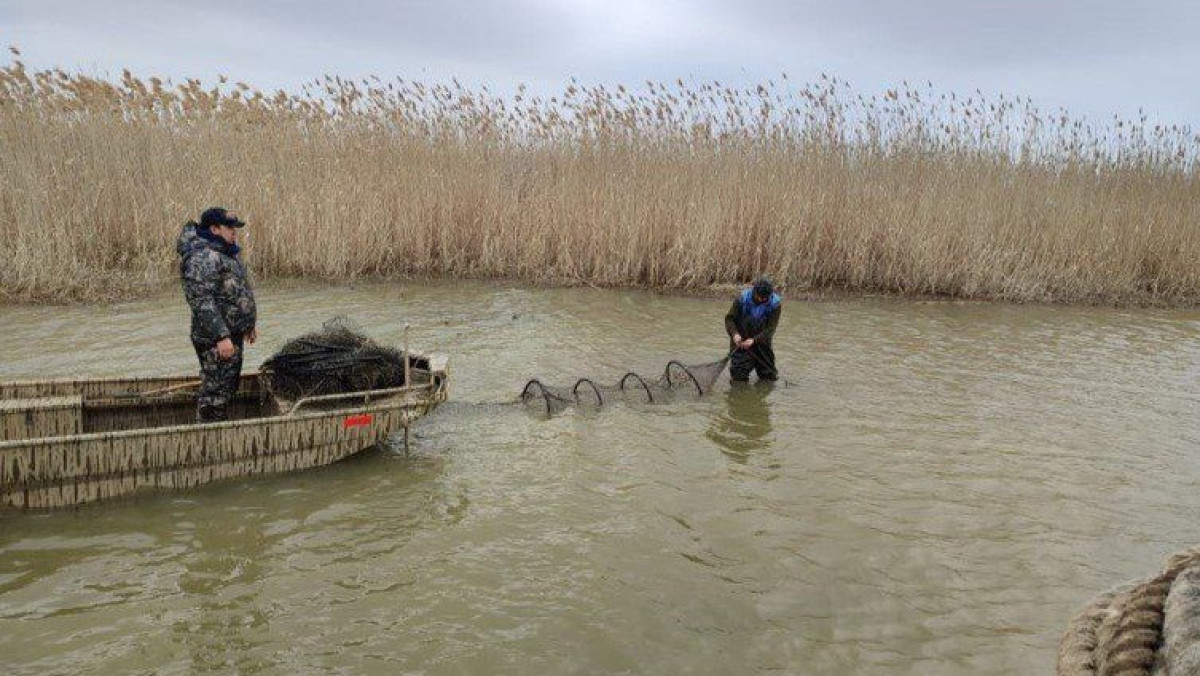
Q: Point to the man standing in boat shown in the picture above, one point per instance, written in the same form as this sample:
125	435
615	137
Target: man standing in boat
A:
216	285
751	323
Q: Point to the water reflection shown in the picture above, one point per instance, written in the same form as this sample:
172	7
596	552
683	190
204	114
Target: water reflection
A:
745	424
222	576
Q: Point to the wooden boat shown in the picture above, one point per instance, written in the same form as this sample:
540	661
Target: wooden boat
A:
67	442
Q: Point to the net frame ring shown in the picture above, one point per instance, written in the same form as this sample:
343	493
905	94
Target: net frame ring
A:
526	394
685	369
641	381
575	391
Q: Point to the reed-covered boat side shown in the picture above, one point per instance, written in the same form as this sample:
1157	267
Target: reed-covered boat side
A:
69	442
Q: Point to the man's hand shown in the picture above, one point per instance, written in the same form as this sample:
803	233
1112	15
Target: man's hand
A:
252	335
225	349
747	343
737	340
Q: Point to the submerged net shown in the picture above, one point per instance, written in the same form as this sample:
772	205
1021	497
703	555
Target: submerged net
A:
337	358
677	380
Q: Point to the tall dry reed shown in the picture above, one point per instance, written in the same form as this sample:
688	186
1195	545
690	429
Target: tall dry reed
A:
664	185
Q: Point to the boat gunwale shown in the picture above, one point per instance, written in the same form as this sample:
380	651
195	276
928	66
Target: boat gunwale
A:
112	379
430	359
433	389
246	375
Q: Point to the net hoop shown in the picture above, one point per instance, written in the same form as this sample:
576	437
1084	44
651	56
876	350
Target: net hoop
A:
589	383
527	394
641	381
670	383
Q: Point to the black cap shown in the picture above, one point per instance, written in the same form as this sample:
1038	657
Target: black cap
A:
763	287
219	216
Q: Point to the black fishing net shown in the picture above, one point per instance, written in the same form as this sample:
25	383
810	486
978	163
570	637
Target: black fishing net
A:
340	358
337	358
677	380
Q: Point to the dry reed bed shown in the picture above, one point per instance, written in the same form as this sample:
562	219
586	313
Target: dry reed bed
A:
666	186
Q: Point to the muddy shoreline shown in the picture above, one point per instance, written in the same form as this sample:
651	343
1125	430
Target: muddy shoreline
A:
805	294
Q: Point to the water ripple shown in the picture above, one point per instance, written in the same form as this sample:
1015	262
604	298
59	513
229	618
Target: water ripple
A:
945	486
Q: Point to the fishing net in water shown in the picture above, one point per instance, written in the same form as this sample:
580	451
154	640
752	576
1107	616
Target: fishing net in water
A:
677	380
337	358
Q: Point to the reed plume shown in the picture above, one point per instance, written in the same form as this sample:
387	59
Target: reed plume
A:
668	185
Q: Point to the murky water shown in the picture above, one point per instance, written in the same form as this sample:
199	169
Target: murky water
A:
944	487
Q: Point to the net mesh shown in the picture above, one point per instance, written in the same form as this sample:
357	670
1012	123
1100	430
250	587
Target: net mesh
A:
677	380
340	358
335	359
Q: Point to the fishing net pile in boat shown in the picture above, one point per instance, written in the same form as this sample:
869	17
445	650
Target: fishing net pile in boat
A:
336	358
677	380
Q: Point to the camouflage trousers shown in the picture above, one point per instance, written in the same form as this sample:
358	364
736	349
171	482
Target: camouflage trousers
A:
219	379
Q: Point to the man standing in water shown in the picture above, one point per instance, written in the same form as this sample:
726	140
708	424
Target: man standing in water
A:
217	288
751	323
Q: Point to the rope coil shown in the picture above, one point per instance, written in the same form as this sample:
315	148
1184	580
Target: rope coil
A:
1151	626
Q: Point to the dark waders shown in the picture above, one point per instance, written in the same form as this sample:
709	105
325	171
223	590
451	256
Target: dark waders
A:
760	358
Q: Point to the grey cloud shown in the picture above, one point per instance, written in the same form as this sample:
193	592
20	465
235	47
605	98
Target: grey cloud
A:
973	32
1093	56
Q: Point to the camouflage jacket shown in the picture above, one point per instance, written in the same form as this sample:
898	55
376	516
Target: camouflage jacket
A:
217	287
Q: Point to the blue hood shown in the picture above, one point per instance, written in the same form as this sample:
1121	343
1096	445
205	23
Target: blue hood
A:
758	313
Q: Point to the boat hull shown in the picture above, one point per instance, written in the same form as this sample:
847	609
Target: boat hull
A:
70	469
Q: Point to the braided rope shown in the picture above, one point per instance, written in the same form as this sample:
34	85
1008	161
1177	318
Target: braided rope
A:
1151	626
1181	633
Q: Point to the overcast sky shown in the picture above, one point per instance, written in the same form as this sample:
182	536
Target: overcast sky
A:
1094	57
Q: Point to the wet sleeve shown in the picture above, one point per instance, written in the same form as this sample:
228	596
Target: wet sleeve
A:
768	331
201	282
731	318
